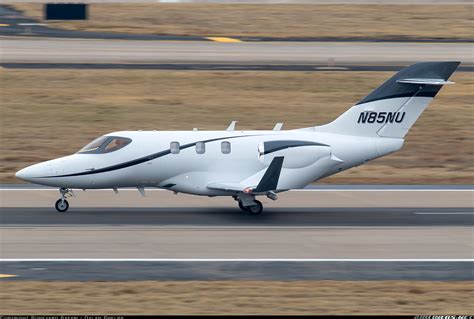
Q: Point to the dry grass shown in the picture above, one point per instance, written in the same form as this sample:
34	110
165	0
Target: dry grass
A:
281	20
238	297
51	113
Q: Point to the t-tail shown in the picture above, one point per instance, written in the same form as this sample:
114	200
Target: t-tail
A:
392	109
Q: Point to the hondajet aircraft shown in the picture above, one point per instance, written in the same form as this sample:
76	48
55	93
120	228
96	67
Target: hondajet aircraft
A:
247	164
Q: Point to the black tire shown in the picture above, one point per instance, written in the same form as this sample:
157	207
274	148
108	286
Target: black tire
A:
61	206
242	207
255	209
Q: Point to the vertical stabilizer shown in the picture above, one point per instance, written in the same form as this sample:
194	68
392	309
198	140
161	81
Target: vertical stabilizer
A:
392	108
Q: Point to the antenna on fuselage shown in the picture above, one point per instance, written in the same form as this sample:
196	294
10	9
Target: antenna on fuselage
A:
231	126
278	126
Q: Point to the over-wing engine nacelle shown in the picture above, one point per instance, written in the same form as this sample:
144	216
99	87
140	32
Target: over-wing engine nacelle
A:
297	153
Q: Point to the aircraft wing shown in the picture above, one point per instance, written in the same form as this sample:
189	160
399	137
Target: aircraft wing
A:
268	182
223	186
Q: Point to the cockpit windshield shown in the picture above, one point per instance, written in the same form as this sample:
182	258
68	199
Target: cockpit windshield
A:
105	144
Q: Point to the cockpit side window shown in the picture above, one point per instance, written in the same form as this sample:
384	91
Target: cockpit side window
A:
115	144
94	145
105	144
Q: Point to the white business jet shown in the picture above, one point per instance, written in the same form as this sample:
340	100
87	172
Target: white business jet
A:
247	164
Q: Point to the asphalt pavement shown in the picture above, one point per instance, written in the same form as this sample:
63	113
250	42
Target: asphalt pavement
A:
236	270
232	217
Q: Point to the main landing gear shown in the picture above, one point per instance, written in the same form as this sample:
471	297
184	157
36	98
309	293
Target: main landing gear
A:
249	204
62	204
254	209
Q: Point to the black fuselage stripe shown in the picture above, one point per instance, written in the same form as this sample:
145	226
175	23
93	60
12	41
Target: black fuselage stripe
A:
141	159
282	147
394	96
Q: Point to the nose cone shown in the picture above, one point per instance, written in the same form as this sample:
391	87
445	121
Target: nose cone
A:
24	174
20	174
30	173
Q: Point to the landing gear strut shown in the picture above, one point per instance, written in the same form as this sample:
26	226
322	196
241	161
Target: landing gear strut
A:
62	204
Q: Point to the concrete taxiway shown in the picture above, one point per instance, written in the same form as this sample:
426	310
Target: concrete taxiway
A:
391	2
44	50
211	67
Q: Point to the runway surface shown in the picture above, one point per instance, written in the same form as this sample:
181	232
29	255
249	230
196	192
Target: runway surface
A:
231	217
48	50
229	233
320	197
211	67
194	238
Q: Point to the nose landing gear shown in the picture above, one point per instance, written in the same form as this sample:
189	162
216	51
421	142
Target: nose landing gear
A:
62	204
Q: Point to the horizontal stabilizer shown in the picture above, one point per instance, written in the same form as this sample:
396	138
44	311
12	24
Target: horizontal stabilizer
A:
425	81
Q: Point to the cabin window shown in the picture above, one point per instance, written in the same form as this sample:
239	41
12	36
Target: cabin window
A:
200	147
174	147
225	147
105	144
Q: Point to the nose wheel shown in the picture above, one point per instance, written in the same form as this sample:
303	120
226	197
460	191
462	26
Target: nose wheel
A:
62	204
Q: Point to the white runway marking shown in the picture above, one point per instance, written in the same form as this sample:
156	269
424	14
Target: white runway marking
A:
235	260
443	213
